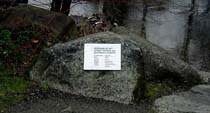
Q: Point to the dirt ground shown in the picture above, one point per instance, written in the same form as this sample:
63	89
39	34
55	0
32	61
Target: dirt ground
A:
52	101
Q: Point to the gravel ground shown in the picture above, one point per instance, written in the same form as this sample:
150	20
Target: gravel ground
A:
52	101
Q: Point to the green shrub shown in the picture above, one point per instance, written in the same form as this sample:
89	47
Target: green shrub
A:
6	45
5	35
19	49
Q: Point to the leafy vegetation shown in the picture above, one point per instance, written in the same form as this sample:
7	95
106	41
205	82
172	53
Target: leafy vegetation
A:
19	49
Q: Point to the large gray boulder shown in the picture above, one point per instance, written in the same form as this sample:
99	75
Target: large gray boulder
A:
196	100
61	67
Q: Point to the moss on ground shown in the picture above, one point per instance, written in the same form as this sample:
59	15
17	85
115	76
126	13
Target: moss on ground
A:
148	91
151	110
12	89
156	90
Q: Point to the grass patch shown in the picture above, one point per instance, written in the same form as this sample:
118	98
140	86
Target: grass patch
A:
20	46
12	89
19	50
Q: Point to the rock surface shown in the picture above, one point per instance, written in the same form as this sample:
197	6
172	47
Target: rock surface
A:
160	18
61	67
199	45
24	16
158	63
196	100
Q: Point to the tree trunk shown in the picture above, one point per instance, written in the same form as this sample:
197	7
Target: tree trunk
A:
56	5
115	11
101	7
145	11
185	48
65	9
22	1
62	6
208	7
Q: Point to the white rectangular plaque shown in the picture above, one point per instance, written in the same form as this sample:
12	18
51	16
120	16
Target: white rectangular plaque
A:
102	57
